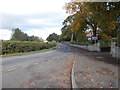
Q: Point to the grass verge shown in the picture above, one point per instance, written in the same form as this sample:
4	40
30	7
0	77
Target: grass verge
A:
26	53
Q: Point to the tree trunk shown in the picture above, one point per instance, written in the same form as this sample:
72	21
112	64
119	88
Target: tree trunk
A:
94	32
95	29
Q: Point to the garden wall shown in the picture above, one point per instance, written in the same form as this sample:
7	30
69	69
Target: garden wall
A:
94	47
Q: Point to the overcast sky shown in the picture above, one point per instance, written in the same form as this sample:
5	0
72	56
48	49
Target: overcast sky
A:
34	17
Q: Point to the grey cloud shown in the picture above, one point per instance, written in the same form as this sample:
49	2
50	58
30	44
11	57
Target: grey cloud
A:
50	19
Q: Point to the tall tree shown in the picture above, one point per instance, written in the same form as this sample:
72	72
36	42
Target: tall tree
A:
94	15
67	32
52	37
35	38
19	35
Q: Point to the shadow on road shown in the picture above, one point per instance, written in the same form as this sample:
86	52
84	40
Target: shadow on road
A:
98	56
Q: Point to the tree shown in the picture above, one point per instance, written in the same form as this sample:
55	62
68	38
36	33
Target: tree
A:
35	38
97	16
19	35
52	37
67	32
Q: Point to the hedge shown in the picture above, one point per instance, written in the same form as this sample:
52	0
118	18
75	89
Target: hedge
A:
9	47
105	43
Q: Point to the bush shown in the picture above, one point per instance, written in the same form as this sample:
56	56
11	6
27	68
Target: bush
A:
82	43
105	43
24	46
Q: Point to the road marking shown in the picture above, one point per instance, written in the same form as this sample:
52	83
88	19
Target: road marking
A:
26	66
11	69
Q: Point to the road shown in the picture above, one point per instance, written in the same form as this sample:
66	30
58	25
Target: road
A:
52	69
49	69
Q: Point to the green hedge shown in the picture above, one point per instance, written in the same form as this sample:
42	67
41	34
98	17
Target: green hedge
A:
24	46
105	43
82	43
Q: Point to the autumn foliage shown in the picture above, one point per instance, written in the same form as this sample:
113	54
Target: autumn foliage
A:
93	16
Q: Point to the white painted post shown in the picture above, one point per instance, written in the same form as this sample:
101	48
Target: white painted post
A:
72	37
99	49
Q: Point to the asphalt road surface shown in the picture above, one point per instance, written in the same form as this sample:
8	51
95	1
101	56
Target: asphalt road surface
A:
52	69
49	69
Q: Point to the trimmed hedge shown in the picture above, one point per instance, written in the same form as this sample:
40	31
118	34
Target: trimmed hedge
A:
9	47
82	43
105	43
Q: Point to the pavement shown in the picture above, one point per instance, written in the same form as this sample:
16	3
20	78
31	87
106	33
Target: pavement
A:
57	68
95	69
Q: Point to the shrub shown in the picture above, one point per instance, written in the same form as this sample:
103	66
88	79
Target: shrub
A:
105	43
24	46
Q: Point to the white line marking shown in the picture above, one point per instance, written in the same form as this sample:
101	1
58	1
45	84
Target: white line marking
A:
26	66
11	69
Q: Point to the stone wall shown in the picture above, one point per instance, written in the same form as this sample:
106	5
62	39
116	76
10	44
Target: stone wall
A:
115	50
94	47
